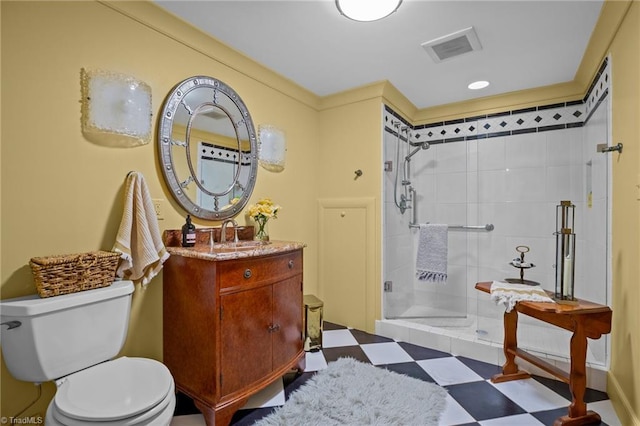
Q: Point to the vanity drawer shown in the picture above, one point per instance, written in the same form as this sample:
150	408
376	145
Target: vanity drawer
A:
250	272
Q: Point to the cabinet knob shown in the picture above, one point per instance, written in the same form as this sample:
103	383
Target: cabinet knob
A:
247	273
273	328
291	264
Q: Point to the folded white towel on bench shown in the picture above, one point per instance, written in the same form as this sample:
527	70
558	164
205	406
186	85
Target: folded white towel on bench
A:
510	294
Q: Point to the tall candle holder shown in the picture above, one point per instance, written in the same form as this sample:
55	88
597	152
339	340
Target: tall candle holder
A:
565	253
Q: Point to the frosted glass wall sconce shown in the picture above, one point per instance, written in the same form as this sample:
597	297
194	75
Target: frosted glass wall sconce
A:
272	147
116	109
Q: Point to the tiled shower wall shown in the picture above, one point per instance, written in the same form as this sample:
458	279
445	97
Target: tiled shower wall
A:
510	170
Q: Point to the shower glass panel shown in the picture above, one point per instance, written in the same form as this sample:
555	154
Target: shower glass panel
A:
521	180
444	177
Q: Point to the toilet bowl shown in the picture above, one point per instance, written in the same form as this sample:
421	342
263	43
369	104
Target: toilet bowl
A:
73	340
124	392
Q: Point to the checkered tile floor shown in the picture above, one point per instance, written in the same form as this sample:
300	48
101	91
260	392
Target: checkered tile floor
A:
472	400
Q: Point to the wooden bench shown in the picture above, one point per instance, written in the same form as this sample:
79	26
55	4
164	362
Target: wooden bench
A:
584	319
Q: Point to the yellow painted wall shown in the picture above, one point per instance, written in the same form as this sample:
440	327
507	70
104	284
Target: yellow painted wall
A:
624	376
351	138
63	194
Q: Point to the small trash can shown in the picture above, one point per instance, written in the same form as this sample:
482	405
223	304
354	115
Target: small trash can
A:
312	323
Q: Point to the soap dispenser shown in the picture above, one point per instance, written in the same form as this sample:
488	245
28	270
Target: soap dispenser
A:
188	233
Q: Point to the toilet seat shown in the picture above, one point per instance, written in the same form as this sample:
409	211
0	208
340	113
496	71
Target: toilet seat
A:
125	391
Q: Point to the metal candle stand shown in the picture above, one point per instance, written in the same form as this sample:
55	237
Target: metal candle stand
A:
522	265
565	253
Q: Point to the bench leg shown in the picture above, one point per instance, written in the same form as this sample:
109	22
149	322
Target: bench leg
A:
510	370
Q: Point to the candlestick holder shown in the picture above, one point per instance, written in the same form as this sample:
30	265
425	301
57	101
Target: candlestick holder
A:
565	253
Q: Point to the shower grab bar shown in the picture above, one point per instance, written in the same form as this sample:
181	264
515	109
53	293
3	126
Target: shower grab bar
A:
488	227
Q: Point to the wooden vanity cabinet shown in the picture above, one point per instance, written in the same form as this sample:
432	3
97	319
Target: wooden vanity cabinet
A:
231	327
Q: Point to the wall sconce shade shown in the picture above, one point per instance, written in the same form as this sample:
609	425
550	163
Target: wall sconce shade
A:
367	10
116	109
272	147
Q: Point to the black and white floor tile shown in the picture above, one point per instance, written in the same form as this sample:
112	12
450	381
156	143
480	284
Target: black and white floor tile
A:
472	399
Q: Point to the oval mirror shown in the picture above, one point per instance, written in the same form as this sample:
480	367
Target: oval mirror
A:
208	148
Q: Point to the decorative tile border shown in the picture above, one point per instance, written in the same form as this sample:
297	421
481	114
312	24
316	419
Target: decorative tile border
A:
223	154
542	118
599	89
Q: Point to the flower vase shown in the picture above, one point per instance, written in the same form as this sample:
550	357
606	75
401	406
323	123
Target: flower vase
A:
262	230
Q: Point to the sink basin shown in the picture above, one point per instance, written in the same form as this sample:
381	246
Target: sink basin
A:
239	246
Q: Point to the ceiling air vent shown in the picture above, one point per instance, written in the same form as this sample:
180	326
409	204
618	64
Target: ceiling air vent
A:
452	45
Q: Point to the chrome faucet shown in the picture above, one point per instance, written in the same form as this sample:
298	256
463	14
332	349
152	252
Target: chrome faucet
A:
223	230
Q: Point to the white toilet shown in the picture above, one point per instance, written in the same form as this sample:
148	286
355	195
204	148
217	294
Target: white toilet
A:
72	339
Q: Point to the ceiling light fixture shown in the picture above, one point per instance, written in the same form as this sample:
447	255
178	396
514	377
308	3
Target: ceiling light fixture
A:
477	85
367	10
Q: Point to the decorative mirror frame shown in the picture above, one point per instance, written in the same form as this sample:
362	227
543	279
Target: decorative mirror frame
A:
165	143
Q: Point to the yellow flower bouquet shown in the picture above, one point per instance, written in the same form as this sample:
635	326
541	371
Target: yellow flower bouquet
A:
261	212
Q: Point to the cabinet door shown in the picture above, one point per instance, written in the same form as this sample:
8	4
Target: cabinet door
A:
245	337
346	278
287	314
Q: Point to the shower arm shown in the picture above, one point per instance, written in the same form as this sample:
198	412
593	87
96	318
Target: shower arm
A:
420	146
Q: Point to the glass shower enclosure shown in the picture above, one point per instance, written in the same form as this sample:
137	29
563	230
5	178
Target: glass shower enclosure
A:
427	183
496	192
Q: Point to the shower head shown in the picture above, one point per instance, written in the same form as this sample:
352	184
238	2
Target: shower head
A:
423	145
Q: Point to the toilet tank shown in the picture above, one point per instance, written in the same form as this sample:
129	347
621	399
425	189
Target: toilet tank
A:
60	335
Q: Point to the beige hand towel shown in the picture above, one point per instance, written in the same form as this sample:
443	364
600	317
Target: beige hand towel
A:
139	239
510	294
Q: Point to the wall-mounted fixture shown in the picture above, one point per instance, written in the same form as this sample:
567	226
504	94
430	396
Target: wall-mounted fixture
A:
272	147
602	147
116	109
367	10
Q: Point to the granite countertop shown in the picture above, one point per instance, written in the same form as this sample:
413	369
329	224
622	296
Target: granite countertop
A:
227	251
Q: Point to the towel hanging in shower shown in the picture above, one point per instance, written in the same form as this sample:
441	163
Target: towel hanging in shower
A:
431	262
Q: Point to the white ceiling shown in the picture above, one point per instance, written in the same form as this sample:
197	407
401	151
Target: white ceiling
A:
525	44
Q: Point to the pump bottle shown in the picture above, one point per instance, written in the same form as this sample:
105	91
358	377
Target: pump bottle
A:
188	233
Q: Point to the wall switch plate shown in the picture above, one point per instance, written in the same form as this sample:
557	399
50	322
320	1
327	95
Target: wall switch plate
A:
158	206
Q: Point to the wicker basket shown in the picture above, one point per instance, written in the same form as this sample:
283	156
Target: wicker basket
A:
57	275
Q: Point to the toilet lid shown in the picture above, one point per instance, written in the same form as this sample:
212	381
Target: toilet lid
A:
114	390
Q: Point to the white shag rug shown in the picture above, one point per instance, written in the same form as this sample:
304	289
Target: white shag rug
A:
349	392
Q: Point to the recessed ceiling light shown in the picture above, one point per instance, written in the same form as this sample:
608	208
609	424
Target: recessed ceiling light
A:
476	85
367	10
